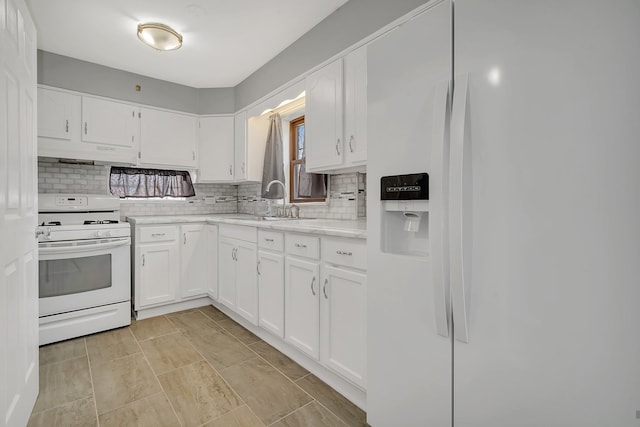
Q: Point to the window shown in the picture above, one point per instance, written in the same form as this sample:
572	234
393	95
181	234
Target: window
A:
303	187
150	183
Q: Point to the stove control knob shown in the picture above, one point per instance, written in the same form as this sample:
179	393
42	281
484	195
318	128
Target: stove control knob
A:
98	233
108	234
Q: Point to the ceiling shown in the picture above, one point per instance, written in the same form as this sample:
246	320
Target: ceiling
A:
225	41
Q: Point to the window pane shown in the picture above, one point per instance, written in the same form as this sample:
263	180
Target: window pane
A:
300	140
308	186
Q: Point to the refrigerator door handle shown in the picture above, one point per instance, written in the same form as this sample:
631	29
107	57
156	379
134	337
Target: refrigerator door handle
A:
460	208
438	216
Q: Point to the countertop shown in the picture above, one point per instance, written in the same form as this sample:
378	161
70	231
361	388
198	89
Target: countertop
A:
324	227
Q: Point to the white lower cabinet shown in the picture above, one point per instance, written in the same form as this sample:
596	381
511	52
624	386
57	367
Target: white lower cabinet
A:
194	258
343	322
271	292
211	232
238	278
157	266
302	305
173	263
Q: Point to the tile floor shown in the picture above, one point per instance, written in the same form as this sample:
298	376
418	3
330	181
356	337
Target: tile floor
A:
192	368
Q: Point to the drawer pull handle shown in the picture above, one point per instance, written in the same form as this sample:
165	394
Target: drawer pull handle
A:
300	245
268	240
348	253
324	288
143	260
312	283
258	268
157	234
66	126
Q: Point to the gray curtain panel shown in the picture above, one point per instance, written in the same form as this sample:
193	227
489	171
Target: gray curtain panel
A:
273	160
134	182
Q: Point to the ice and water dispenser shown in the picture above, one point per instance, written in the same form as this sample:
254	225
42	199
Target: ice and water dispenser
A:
405	214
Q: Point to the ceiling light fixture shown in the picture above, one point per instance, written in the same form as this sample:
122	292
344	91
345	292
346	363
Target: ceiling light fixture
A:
159	36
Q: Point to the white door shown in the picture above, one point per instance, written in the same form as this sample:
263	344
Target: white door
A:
168	138
18	215
109	122
302	305
247	281
240	145
355	107
212	260
343	301
159	274
323	117
215	142
552	126
227	272
58	114
271	292
406	67
194	257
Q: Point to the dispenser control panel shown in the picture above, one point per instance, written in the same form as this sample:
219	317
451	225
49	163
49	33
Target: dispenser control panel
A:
413	186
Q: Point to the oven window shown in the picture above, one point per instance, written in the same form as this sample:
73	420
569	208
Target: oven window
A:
74	275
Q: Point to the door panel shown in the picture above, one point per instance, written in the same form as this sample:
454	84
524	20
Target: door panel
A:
247	281
553	126
302	305
18	266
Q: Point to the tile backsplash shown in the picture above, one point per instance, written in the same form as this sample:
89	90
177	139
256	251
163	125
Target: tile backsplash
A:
347	193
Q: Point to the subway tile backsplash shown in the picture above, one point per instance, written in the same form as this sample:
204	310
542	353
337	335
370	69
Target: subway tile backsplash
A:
347	194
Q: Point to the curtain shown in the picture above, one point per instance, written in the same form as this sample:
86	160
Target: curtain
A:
273	160
134	182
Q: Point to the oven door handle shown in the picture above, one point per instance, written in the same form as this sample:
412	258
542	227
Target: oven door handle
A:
74	247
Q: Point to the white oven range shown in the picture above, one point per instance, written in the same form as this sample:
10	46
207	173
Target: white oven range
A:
84	265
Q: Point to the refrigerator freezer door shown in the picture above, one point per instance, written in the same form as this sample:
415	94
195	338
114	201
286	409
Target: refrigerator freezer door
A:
553	108
408	362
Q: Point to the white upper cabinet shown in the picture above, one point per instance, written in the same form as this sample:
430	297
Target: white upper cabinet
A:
215	143
323	118
110	123
58	115
336	115
355	107
168	138
240	146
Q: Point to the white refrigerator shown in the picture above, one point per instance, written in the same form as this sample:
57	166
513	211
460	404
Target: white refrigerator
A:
514	300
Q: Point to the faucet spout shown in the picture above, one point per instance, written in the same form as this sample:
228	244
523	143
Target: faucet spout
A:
284	190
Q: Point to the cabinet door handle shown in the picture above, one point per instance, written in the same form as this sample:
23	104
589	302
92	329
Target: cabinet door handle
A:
230	170
184	236
194	155
233	252
143	260
324	288
85	128
313	281
348	253
242	167
338	146
66	126
301	245
258	267
351	144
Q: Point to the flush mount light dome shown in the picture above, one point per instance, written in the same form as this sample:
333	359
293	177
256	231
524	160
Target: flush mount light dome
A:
159	36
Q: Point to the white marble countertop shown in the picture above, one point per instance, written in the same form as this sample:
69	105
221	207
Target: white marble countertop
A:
325	227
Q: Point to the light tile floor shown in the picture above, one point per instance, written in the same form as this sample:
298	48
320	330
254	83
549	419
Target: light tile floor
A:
192	368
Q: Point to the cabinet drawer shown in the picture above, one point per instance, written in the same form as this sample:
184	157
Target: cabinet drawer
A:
158	234
248	234
303	245
271	240
347	252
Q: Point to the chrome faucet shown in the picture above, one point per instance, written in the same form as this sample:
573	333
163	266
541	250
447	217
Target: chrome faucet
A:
284	191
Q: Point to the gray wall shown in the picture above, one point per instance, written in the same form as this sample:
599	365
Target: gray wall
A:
73	74
352	22
349	24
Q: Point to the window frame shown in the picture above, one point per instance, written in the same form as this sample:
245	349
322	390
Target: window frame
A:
293	161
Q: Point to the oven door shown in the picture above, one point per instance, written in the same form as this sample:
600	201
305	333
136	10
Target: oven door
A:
81	274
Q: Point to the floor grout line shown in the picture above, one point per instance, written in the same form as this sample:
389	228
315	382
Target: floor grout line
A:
93	388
